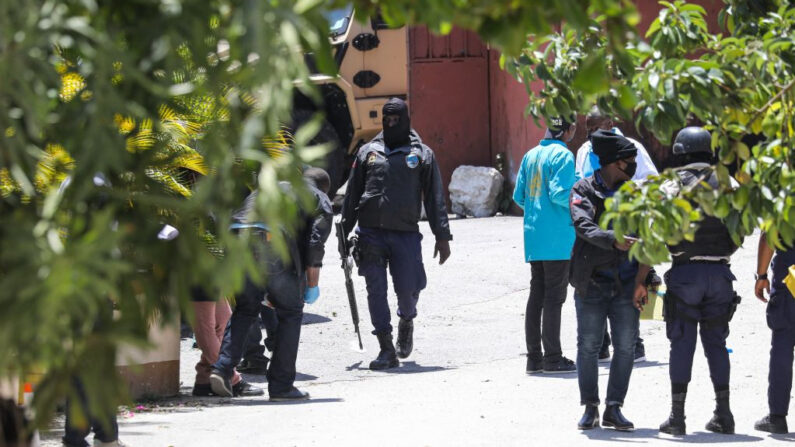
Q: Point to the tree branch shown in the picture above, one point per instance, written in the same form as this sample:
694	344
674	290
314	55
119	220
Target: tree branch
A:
778	96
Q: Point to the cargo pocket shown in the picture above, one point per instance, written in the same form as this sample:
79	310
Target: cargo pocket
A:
777	317
674	329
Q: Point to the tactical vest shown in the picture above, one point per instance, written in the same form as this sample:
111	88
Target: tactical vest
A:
712	238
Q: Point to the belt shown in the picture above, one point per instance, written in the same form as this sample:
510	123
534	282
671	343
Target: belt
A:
678	262
257	229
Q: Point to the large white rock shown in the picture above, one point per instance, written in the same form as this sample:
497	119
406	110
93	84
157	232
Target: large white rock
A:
475	190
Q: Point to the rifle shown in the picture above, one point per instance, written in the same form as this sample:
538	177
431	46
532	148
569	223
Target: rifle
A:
347	267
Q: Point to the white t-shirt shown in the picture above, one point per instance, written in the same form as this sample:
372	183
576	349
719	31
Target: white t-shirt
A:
587	162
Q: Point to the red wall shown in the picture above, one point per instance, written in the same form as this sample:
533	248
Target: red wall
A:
448	88
511	132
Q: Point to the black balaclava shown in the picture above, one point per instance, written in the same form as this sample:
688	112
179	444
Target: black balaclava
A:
397	135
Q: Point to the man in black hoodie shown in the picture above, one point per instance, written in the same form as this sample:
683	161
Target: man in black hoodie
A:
391	178
607	284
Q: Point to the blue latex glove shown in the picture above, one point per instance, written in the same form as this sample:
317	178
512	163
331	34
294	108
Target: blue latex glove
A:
311	295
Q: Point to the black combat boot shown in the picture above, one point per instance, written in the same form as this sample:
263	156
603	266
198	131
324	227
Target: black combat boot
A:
405	338
675	425
387	358
723	420
773	423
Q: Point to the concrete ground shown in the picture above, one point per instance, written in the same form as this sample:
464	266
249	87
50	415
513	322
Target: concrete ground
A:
465	383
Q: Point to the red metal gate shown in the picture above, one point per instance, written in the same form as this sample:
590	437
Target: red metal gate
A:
449	97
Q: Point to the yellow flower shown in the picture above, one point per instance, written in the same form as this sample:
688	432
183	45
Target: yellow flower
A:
71	85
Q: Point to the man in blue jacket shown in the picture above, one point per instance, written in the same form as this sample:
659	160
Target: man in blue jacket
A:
542	191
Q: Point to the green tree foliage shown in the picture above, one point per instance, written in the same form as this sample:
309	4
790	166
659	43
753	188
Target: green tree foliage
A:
128	99
738	83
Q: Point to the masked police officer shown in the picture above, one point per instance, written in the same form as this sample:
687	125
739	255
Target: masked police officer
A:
700	296
392	176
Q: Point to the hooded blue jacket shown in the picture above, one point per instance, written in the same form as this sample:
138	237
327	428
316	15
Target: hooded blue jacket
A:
542	191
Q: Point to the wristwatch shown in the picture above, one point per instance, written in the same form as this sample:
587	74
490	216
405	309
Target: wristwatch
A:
758	277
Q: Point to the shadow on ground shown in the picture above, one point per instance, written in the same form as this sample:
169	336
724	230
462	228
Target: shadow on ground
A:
258	379
314	319
641	435
643	364
404	368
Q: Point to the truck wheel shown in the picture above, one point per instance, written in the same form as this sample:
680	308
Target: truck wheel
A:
335	159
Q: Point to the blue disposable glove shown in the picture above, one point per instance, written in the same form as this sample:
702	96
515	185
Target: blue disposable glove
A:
311	295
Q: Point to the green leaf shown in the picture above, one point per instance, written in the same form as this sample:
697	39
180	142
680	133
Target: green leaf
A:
592	76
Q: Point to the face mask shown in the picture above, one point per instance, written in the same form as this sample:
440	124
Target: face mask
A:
397	135
630	169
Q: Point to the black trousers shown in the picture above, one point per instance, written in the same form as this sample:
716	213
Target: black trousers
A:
254	351
285	290
548	285
105	430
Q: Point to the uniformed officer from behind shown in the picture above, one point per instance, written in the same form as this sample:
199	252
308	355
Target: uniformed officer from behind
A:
781	321
699	296
392	176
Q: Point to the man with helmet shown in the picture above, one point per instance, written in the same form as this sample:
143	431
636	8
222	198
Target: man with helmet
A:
392	177
699	296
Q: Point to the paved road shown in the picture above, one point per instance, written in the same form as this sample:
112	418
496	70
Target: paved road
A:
465	382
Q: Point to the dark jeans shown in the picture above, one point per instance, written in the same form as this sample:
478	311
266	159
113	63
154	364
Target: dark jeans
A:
606	341
548	284
707	291
254	351
285	290
401	251
605	299
104	430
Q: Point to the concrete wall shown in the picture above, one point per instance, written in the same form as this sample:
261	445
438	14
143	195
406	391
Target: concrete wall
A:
154	372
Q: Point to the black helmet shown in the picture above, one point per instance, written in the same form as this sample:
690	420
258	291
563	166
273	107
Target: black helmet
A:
691	140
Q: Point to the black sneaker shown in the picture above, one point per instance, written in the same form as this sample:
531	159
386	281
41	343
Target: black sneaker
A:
202	390
560	367
640	353
293	394
257	367
220	384
604	355
534	365
245	389
772	424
